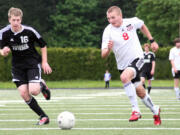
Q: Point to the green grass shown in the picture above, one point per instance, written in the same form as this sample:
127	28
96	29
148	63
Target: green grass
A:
88	84
97	112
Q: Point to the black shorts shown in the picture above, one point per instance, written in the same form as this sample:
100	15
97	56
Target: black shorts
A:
146	74
26	75
176	75
137	64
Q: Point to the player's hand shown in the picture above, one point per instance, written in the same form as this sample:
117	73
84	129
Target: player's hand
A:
46	68
5	51
110	44
154	46
152	72
175	70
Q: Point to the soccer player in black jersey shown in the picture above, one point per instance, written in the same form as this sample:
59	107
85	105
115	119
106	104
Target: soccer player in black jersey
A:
148	68
26	62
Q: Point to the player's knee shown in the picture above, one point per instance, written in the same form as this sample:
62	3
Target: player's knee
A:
34	91
25	95
124	78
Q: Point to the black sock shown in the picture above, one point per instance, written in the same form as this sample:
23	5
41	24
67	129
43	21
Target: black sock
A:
144	86
35	107
149	89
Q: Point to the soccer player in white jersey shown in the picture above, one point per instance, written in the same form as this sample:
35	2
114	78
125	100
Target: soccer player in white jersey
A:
26	62
120	36
174	57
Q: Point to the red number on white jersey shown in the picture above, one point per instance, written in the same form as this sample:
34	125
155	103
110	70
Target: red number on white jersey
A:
125	36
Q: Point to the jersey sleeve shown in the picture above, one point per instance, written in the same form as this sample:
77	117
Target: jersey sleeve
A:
153	58
1	35
105	38
171	55
38	38
138	23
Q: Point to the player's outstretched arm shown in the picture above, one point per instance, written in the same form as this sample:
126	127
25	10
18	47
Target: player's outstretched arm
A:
45	66
146	32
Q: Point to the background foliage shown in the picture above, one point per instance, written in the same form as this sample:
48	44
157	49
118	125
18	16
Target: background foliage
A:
86	63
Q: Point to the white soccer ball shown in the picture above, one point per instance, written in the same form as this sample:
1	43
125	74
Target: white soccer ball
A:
66	120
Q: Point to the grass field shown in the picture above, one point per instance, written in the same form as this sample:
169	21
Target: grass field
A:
97	112
88	84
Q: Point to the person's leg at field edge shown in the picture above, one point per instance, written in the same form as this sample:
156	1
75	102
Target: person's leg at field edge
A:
126	77
26	91
146	99
176	88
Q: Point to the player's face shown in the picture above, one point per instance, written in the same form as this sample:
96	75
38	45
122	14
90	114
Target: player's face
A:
15	22
178	44
114	18
146	48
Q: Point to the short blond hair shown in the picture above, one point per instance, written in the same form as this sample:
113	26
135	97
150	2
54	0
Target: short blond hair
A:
146	45
114	8
15	12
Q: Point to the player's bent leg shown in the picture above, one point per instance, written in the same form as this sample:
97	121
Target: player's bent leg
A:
34	88
24	92
126	78
148	102
45	90
32	103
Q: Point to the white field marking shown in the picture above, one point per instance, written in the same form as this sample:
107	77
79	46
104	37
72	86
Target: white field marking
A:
2	105
102	94
65	108
26	120
113	128
148	128
52	106
125	113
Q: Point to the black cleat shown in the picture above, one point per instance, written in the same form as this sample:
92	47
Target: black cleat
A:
45	90
43	121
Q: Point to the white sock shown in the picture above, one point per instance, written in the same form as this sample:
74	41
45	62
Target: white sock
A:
148	102
177	92
131	93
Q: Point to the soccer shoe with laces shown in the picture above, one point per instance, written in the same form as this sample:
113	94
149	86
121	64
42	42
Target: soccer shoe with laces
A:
135	116
45	90
43	121
157	118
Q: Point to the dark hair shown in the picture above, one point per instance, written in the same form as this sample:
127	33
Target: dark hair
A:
176	40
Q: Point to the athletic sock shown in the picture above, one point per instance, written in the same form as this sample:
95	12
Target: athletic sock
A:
177	92
32	103
149	89
131	93
148	102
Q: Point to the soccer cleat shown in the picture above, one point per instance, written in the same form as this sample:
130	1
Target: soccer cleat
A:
157	119
43	121
134	116
45	90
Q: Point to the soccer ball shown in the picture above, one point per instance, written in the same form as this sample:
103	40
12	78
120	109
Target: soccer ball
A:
66	120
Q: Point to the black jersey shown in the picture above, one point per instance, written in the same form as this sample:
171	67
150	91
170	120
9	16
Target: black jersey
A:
148	59
3	30
22	45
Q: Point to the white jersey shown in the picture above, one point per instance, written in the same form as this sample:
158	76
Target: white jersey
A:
107	76
126	42
175	56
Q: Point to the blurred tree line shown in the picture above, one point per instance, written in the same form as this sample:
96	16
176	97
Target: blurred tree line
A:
80	23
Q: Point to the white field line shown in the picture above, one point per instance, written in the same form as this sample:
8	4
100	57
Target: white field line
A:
110	113
148	128
52	106
25	120
64	108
